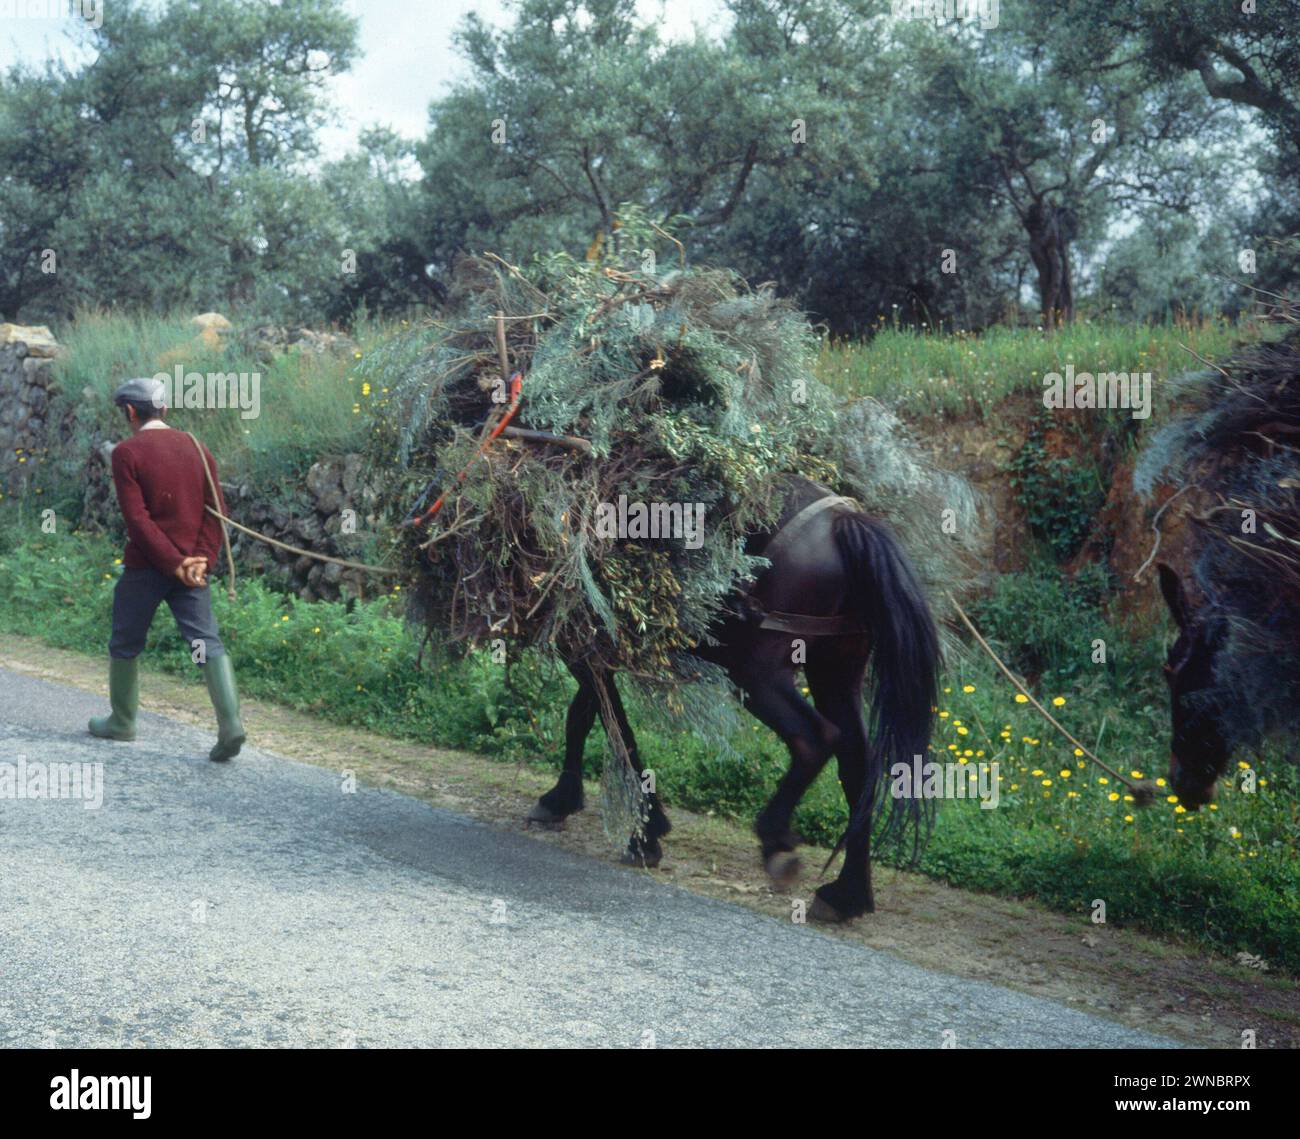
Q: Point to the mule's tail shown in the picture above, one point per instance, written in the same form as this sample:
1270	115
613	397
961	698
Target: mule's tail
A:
889	600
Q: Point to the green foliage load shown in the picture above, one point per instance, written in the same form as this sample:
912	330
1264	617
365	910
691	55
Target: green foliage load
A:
689	388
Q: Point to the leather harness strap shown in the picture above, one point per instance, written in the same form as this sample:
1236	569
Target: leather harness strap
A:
804	624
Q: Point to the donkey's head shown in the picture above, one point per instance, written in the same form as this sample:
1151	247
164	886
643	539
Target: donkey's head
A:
1199	751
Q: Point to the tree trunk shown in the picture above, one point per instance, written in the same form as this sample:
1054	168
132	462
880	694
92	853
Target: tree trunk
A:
1049	247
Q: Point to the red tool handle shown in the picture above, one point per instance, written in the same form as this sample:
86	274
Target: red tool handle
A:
516	393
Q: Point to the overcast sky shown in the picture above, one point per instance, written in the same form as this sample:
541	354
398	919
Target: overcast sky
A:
407	57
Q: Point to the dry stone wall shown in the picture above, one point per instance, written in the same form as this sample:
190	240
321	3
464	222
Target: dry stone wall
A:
27	355
330	513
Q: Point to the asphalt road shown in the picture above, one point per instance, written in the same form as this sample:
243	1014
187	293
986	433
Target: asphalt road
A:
260	904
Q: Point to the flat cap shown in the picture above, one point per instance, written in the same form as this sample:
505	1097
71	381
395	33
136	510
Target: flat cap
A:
145	389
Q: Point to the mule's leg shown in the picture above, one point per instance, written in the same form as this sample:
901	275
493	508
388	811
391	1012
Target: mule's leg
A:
771	695
836	671
566	796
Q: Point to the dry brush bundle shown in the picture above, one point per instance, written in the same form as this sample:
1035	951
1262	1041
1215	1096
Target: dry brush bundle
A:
685	389
1236	447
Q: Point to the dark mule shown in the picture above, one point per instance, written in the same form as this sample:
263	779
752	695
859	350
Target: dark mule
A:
1199	751
838	592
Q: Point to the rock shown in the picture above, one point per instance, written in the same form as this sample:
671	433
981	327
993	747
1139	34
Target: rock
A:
329	503
37	339
211	325
269	340
310	530
325	485
36	370
351	474
323	475
322	343
266	340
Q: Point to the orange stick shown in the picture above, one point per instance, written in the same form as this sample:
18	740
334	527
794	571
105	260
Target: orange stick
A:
516	393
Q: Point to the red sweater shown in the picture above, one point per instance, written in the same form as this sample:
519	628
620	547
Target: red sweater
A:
161	489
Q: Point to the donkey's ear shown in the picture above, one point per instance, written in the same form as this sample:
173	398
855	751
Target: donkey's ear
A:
1171	586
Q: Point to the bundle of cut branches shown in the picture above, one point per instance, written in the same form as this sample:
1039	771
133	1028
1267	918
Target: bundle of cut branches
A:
685	393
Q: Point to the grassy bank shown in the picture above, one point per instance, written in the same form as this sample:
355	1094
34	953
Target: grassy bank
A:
313	404
926	372
1061	832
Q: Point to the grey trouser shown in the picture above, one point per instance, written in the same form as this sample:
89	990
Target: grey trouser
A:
138	594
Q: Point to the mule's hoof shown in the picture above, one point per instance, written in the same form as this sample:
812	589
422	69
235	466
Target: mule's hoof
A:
825	912
641	861
543	816
782	868
643	855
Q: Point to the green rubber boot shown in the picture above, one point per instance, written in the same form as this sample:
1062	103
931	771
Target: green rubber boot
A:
220	676
123	698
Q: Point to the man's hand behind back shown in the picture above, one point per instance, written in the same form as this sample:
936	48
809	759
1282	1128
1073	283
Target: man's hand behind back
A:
193	572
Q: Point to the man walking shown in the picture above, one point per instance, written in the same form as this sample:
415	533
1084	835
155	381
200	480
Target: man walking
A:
171	541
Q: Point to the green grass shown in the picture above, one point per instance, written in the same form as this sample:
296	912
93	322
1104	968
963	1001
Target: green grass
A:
927	372
1227	877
